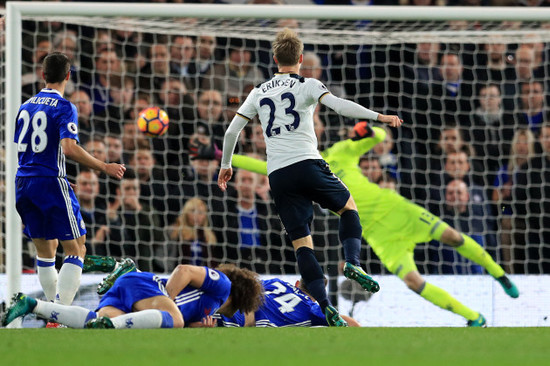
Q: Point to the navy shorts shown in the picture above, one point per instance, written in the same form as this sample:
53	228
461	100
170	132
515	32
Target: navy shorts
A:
48	208
131	288
296	186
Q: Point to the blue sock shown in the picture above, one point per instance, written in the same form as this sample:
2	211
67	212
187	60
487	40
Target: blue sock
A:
350	231
313	275
167	320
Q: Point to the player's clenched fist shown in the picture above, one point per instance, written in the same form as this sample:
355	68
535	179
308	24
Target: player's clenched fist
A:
224	177
393	121
115	170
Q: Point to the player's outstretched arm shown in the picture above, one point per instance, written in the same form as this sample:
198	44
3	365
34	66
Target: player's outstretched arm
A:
182	276
75	152
249	163
351	109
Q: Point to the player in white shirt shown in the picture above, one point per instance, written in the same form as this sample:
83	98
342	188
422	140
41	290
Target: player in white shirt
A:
297	173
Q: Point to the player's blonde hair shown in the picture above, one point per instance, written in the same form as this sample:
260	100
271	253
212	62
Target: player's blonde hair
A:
287	48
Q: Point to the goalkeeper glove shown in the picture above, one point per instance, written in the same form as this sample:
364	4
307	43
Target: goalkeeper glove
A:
362	130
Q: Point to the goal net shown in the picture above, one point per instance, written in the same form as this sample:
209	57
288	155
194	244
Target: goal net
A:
473	96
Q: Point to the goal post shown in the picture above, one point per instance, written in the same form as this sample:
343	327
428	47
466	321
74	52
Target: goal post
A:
104	13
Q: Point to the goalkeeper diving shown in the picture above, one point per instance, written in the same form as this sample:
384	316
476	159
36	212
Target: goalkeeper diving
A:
392	225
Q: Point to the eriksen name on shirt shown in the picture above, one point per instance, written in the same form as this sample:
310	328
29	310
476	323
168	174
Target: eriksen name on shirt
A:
275	83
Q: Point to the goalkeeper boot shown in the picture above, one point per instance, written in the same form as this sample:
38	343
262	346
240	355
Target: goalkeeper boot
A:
127	265
480	322
97	263
100	323
21	305
508	286
357	274
333	317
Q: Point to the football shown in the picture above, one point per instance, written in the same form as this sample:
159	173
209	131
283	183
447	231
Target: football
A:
153	121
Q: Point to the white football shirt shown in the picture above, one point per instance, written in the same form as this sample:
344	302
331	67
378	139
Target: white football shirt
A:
285	105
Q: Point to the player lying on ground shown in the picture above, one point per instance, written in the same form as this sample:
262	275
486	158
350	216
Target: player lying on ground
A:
393	226
285	306
144	300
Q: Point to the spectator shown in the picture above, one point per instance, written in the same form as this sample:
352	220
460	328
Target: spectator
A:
201	181
522	150
107	65
97	148
495	66
113	143
156	71
457	166
121	93
253	232
182	53
371	168
468	216
256	140
132	139
86	127
93	209
203	62
210	115
32	81
533	106
531	208
238	71
526	70
67	43
135	230
179	105
155	191
312	68
492	129
192	240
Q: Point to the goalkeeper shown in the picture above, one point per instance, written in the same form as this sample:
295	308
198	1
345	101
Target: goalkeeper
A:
393	226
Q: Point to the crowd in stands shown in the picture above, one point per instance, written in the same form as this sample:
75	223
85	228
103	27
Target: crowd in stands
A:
474	148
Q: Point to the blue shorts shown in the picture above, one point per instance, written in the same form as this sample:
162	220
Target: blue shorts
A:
131	288
48	208
296	186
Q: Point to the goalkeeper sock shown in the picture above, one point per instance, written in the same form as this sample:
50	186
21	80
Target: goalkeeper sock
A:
69	279
47	276
444	300
71	316
313	275
146	319
350	236
473	251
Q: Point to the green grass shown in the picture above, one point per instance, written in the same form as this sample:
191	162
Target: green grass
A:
282	346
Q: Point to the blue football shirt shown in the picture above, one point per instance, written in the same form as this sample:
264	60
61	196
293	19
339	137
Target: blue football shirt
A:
284	306
42	122
196	303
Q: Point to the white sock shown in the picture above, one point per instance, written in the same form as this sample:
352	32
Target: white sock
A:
47	275
68	280
146	319
71	316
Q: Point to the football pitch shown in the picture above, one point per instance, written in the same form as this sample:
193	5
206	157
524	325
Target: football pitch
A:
280	346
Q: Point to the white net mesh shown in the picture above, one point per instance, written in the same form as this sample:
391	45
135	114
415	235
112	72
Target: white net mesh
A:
430	73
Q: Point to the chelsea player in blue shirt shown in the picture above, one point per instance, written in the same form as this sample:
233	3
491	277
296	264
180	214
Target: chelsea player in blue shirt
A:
285	306
47	131
144	300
